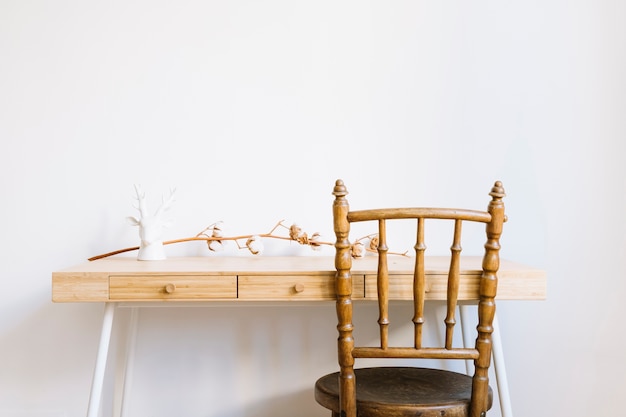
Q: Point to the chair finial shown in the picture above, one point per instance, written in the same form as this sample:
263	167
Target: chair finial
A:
497	191
340	189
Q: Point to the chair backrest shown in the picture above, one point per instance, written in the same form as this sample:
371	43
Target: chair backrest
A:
494	218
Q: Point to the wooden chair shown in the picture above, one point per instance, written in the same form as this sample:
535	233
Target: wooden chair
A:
412	391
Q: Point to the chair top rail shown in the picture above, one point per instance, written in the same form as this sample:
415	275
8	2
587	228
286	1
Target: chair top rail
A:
419	212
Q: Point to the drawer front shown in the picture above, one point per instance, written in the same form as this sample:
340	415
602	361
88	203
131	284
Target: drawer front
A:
172	287
294	287
401	287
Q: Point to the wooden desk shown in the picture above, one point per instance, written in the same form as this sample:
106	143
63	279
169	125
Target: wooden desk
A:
118	280
125	279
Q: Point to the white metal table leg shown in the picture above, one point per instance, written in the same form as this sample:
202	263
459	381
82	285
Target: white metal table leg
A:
498	358
129	361
466	330
498	364
101	361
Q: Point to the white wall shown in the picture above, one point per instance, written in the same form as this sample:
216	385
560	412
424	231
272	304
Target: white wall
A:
252	110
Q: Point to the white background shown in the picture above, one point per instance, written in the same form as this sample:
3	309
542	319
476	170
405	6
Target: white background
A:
252	109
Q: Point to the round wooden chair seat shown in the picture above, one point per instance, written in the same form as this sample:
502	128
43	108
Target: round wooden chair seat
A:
402	392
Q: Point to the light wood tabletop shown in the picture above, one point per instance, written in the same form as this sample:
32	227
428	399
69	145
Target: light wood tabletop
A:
304	278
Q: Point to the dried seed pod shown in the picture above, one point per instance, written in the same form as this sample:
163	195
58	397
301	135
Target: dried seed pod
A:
215	245
255	245
217	230
294	232
374	241
358	250
314	241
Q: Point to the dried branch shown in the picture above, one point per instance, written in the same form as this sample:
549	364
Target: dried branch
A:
214	237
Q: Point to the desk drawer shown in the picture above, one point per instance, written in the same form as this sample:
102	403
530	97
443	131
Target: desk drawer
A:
172	287
294	287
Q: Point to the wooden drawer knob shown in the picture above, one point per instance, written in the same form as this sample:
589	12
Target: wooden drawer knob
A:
299	287
169	288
